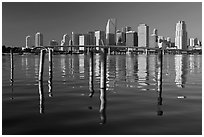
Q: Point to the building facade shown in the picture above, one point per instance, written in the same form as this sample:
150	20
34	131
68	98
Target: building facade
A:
38	39
131	38
65	42
143	35
181	35
28	42
100	38
111	32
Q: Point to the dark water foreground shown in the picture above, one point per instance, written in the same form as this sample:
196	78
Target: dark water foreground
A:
139	96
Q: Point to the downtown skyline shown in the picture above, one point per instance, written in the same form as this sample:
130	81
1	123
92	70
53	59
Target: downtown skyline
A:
41	17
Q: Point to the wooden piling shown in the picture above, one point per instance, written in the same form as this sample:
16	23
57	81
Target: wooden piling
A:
41	96
103	68
50	52
41	65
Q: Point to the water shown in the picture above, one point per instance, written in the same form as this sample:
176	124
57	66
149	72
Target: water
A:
139	96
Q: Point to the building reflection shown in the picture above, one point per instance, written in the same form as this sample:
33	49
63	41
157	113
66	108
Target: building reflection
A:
111	72
63	67
102	109
181	70
152	67
75	64
91	74
159	83
36	67
129	70
41	96
81	66
143	72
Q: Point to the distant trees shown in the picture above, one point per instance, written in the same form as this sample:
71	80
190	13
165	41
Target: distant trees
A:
7	49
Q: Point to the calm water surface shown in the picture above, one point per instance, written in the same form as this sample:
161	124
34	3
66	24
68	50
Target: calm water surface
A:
139	96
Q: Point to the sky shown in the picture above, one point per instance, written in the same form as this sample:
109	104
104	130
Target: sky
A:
55	19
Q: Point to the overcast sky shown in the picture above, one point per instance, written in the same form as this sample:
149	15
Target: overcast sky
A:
56	19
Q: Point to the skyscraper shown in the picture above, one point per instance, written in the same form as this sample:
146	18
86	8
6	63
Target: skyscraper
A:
131	38
120	38
38	39
153	40
191	42
75	40
28	42
100	38
83	40
143	35
64	42
91	39
111	32
181	35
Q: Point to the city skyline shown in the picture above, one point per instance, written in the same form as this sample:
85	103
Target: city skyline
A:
53	25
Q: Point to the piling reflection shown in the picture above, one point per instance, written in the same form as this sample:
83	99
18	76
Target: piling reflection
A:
159	84
11	73
102	109
41	95
91	74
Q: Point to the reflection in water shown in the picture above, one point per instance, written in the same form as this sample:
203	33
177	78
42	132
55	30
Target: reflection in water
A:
143	71
36	67
81	66
129	69
97	67
91	74
111	72
102	109
11	75
63	68
181	70
75	65
159	83
41	95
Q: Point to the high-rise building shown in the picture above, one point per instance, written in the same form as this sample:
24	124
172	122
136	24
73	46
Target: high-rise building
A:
38	39
100	38
54	43
111	32
124	30
143	35
83	40
75	41
120	38
131	38
28	42
153	40
91	39
64	42
181	35
192	42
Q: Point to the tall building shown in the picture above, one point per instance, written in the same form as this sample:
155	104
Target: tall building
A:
54	43
153	40
181	35
83	40
111	32
64	42
120	38
100	38
75	41
126	29
192	42
28	42
131	38
91	38
143	35
38	39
